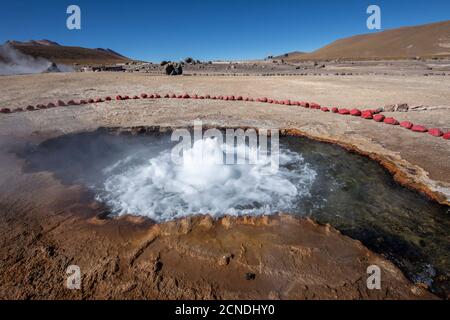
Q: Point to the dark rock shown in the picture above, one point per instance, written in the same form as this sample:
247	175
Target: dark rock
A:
250	276
174	69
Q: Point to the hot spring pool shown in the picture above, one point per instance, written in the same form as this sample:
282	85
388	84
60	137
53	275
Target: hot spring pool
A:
135	175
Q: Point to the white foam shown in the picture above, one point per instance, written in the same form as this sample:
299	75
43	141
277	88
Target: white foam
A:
161	190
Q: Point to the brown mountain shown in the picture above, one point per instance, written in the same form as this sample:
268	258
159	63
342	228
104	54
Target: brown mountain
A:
430	40
290	54
66	54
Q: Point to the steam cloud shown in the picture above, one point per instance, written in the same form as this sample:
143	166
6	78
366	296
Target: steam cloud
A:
13	61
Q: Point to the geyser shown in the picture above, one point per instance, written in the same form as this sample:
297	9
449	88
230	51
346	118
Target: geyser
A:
162	190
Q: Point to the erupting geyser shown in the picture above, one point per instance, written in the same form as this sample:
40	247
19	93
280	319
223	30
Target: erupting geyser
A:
162	190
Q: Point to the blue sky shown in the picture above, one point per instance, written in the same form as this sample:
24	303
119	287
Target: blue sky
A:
154	30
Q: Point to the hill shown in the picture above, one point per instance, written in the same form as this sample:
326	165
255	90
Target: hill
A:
60	54
430	40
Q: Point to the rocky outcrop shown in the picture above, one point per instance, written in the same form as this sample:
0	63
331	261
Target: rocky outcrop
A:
173	69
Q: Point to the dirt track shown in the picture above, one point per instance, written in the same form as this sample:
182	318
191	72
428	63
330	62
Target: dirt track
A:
43	229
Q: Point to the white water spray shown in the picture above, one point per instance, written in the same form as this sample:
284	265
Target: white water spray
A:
162	190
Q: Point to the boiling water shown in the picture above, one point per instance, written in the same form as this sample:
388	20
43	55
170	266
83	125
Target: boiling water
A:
156	187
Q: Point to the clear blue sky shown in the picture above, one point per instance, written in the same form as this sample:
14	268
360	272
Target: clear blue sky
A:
154	30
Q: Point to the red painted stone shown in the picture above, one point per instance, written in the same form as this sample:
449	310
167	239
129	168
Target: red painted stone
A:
144	95
207	96
355	112
378	118
391	121
325	109
108	98
5	110
334	110
91	100
344	111
98	100
118	97
435	132
446	136
239	98
419	128
406	124
367	114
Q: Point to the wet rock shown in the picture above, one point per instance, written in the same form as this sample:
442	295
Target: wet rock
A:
250	276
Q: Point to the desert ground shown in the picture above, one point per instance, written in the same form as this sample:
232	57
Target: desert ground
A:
46	225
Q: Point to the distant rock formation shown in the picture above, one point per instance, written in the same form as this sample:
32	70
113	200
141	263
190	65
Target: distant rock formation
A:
174	69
